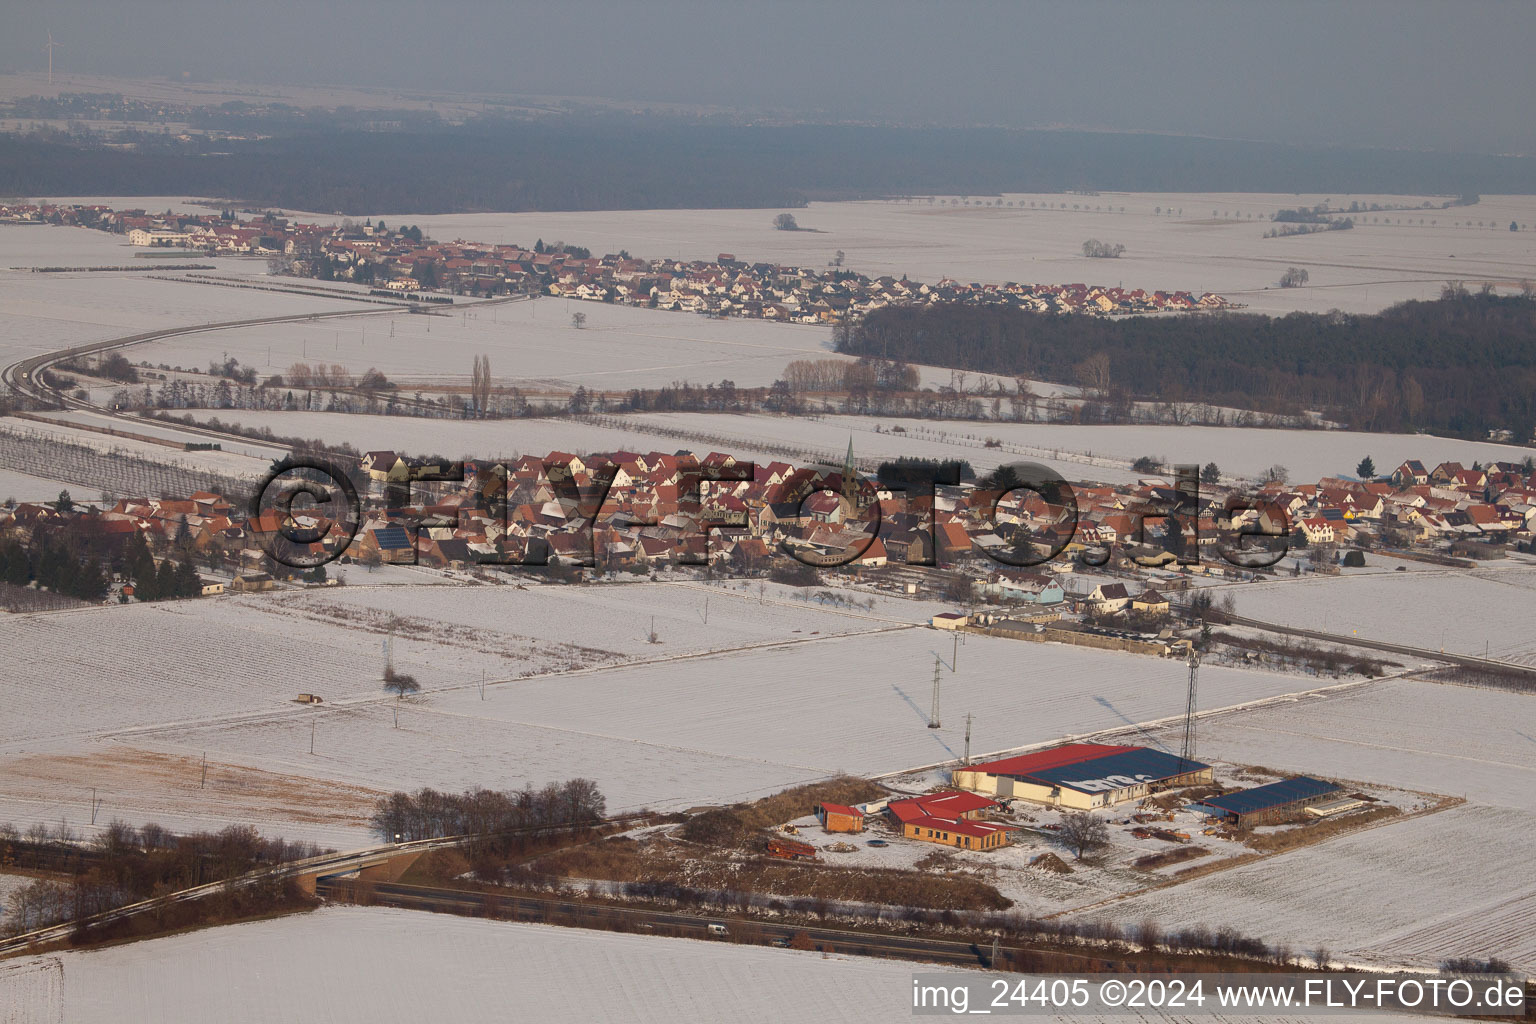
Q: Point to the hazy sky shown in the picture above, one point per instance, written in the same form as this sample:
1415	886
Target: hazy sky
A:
1395	73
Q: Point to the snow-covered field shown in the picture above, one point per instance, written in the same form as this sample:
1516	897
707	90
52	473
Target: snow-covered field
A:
770	692
42	312
531	344
1452	883
351	965
229	463
1077	452
1483	611
23	487
1204	248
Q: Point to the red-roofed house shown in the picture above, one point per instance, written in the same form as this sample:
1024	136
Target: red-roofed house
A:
950	819
840	818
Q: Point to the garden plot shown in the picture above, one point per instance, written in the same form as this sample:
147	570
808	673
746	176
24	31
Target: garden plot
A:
1489	610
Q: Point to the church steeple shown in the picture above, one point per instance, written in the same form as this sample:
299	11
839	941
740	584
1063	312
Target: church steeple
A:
850	478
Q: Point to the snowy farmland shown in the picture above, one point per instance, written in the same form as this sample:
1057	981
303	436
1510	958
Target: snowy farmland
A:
724	727
1452	883
1212	242
1102	453
1489	610
43	312
342	965
532	345
760	697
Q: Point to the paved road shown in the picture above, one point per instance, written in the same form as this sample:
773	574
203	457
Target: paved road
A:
1465	661
551	910
326	864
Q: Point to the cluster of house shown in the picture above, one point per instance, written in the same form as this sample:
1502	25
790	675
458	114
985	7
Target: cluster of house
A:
724	286
640	511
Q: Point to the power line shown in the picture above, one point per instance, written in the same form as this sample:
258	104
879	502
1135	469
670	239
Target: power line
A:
933	716
1187	752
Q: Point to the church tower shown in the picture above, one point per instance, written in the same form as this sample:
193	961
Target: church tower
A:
850	480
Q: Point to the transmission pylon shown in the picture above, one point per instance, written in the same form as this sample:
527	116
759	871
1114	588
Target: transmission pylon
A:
933	716
1187	752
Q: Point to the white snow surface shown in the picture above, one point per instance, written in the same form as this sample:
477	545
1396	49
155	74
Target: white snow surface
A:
1448	884
1362	270
350	965
1484	611
1101	453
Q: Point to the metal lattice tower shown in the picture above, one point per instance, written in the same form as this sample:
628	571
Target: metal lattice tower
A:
1187	753
933	716
967	737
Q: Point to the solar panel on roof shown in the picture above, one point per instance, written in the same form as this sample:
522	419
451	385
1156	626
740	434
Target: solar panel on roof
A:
392	537
1117	771
1273	795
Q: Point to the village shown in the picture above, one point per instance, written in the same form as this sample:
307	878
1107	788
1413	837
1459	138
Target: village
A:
1112	566
400	262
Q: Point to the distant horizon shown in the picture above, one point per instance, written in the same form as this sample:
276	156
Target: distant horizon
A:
402	96
1413	76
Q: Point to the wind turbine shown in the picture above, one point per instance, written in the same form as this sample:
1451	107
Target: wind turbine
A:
51	47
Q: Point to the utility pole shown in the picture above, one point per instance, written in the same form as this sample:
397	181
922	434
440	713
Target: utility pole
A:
95	805
933	716
967	737
482	684
311	735
1187	753
204	783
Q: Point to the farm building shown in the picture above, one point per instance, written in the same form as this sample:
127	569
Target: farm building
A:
1082	776
1266	805
840	818
950	819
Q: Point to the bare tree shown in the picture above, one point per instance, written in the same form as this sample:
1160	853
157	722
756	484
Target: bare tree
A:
1093	373
480	384
786	222
1095	249
1294	277
578	319
1081	832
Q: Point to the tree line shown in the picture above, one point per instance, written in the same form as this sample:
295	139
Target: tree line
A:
1462	364
123	864
646	162
429	814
